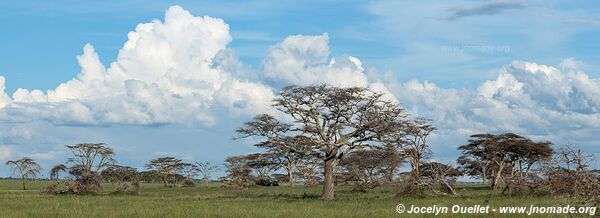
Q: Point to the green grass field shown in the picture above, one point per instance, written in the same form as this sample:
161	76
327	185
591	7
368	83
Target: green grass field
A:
215	201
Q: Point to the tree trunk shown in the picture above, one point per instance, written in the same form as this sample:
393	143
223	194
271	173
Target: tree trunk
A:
417	172
328	192
206	180
23	180
290	168
498	175
164	179
484	175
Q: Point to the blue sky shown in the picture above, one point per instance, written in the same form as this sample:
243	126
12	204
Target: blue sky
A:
459	54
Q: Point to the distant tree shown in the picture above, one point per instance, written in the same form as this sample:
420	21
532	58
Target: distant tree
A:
263	164
393	159
308	171
287	157
189	170
367	167
124	179
166	167
328	122
239	173
443	174
206	170
503	155
55	171
26	167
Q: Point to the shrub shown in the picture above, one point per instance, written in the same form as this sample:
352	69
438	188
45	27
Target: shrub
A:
57	187
188	183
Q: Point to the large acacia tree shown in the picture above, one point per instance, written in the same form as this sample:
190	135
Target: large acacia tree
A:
326	122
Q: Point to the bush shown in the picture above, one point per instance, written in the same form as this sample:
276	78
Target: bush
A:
267	182
126	187
188	183
57	187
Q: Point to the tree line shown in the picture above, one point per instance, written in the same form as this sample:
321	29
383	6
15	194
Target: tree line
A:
324	135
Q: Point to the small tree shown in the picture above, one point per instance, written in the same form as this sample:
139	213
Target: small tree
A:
308	171
263	164
367	167
124	179
167	167
239	173
206	170
571	158
415	144
442	174
26	167
56	170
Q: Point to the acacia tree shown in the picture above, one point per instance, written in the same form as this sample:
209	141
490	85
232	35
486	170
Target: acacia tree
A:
328	122
189	170
165	166
89	159
206	169
369	167
415	144
263	164
287	157
55	171
26	167
308	171
571	158
505	155
239	173
392	159
124	179
92	157
442	174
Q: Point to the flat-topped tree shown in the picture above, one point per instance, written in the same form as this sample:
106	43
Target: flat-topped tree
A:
92	157
326	122
55	171
489	155
165	167
88	160
26	167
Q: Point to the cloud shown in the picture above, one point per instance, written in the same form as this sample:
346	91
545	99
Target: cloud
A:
4	99
304	60
165	73
488	8
527	98
6	152
50	155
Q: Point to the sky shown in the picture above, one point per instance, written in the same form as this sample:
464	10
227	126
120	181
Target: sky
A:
178	77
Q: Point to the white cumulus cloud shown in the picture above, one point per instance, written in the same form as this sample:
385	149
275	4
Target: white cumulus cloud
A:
526	98
166	72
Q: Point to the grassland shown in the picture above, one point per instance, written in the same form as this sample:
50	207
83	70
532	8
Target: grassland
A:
215	201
